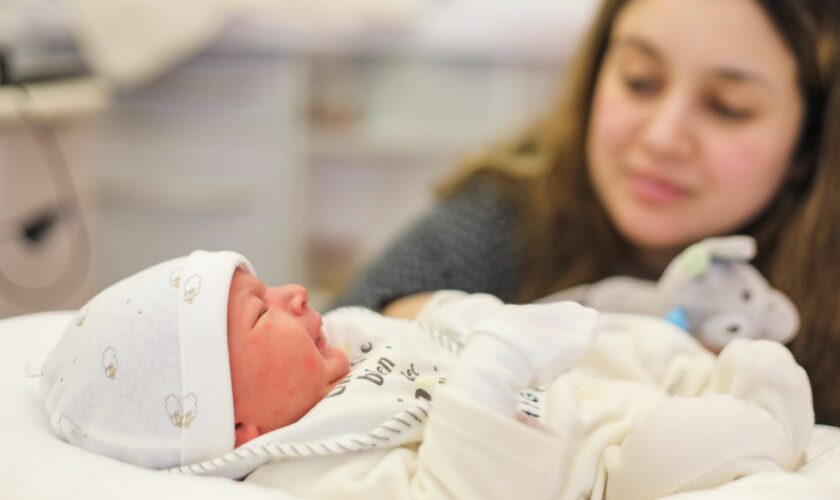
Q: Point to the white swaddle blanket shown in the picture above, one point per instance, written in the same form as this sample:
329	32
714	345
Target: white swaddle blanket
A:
384	402
646	413
655	412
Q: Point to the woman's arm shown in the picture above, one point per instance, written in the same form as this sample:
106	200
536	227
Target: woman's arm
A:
407	307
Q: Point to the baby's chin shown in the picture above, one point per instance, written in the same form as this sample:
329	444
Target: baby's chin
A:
338	365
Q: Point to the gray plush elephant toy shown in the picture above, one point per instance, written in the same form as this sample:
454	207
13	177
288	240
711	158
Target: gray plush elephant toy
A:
709	289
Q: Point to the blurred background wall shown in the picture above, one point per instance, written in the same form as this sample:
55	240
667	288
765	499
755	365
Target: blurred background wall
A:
303	134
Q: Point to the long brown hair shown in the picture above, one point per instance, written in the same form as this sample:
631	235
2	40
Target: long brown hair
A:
567	238
806	266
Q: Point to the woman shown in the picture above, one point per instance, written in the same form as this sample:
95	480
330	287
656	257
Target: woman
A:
681	120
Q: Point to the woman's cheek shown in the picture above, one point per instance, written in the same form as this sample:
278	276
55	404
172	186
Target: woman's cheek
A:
743	164
613	122
742	179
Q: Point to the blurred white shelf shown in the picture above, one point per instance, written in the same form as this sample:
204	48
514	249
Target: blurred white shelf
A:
304	141
498	31
57	101
206	196
307	162
349	150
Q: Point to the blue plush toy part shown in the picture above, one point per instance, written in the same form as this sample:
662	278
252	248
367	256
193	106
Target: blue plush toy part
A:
679	317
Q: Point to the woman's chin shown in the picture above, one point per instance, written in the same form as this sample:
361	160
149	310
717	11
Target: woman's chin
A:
653	234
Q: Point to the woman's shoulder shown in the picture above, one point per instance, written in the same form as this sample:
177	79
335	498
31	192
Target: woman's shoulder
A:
481	193
482	210
469	241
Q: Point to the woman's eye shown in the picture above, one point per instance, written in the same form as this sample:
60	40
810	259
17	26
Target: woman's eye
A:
729	112
641	86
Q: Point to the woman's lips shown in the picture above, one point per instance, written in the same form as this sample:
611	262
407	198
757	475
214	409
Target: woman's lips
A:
655	190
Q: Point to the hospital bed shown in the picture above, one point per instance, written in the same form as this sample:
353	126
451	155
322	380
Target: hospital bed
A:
34	464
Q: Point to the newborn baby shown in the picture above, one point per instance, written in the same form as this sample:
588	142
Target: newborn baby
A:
183	362
195	365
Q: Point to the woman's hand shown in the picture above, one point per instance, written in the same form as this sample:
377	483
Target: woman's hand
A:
407	307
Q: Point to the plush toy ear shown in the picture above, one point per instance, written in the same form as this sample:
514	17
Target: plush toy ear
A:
695	260
689	264
738	247
781	321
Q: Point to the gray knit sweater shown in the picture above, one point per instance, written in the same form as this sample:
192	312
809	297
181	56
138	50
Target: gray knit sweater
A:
468	242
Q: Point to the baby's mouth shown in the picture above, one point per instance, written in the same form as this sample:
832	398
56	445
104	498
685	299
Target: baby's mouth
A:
321	343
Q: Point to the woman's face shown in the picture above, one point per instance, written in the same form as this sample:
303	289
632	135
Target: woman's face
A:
695	117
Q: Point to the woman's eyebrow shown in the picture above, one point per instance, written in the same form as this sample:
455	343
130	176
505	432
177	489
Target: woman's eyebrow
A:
635	42
738	75
726	74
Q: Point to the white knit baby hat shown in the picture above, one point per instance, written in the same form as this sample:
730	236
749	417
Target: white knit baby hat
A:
142	373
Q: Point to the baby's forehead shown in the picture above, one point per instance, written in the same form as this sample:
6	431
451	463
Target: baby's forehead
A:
243	287
243	284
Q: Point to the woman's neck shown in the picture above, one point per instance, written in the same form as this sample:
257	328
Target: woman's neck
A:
646	263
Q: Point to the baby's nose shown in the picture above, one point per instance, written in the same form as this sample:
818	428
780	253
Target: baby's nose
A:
293	298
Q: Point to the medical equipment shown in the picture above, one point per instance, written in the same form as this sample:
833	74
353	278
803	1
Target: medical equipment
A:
41	215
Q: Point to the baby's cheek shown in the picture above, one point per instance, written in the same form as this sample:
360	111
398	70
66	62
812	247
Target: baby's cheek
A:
290	373
311	364
274	368
278	378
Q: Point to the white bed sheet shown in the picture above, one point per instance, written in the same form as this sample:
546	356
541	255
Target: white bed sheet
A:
35	465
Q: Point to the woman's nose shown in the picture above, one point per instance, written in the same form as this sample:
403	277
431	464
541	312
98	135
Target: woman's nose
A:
667	132
291	298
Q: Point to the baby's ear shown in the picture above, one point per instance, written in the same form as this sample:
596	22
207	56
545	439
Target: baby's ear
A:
245	432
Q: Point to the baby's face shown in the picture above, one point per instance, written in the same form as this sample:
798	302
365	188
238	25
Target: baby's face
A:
280	362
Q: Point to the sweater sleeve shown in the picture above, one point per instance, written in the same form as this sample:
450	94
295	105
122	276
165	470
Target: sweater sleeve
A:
467	243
